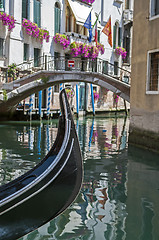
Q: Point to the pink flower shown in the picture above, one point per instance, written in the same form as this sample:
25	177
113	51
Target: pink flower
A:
121	51
62	39
7	20
33	30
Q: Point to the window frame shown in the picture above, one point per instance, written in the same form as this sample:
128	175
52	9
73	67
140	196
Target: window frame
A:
27	52
150	92
37	19
151	16
57	14
26	10
3	5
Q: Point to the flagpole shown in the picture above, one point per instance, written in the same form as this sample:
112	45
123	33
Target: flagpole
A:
96	20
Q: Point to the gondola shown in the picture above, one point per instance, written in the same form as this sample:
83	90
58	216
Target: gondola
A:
45	191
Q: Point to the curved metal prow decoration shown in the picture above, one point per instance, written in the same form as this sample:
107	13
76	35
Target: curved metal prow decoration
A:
49	188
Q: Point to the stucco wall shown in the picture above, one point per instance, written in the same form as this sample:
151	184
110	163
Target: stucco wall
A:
144	107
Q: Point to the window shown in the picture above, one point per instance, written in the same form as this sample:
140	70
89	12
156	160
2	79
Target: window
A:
154	7
25	8
11	7
116	35
68	19
127	4
26	52
116	68
126	45
1	5
36	57
57	18
37	12
153	71
1	47
105	67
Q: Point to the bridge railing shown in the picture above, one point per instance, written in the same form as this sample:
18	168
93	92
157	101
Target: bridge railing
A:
63	63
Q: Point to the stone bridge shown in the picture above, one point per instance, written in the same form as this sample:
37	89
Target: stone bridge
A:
32	83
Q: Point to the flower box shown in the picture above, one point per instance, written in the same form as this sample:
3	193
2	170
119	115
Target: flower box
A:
62	39
33	30
121	51
7	20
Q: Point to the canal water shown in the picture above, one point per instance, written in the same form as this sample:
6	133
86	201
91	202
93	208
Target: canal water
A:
119	198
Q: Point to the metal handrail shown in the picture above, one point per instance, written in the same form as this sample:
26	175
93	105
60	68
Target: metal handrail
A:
85	65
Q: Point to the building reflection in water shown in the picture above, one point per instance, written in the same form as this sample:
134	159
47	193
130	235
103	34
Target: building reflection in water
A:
116	196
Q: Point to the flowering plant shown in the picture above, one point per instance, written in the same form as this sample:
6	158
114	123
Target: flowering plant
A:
121	51
84	50
96	95
32	29
7	20
62	39
88	1
100	47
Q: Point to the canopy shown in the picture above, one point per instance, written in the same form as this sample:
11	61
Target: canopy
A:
81	12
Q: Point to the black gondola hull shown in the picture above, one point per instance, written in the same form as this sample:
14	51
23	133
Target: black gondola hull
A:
48	198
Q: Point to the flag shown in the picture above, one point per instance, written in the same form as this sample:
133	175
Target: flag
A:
88	25
107	30
96	34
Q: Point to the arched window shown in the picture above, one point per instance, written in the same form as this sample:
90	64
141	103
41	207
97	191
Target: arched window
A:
57	18
68	19
116	35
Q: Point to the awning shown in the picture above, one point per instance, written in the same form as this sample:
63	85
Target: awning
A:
81	12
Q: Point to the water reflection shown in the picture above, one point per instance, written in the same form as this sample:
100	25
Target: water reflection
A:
119	195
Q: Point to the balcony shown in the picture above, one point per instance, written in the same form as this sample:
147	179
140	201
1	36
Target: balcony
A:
127	16
76	37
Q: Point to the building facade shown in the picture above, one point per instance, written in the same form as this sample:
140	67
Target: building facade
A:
144	127
22	47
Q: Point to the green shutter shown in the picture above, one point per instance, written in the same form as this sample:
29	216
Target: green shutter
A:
114	36
119	36
99	36
1	4
1	47
37	12
57	20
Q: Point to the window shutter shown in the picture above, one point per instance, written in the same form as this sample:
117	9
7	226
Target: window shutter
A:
119	36
1	47
1	4
157	7
99	36
114	37
57	20
37	12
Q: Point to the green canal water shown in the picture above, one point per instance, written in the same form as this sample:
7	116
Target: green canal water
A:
119	198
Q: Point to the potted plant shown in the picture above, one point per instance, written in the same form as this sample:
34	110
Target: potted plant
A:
12	72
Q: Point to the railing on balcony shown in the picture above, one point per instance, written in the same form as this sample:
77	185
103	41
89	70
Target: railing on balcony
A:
62	64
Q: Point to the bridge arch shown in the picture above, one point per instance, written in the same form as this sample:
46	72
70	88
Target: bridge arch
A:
24	87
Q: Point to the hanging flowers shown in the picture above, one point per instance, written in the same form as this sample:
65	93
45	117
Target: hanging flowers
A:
100	47
33	30
7	20
88	1
84	50
121	51
62	39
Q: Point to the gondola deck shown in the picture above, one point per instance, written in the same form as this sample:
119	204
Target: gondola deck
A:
38	196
